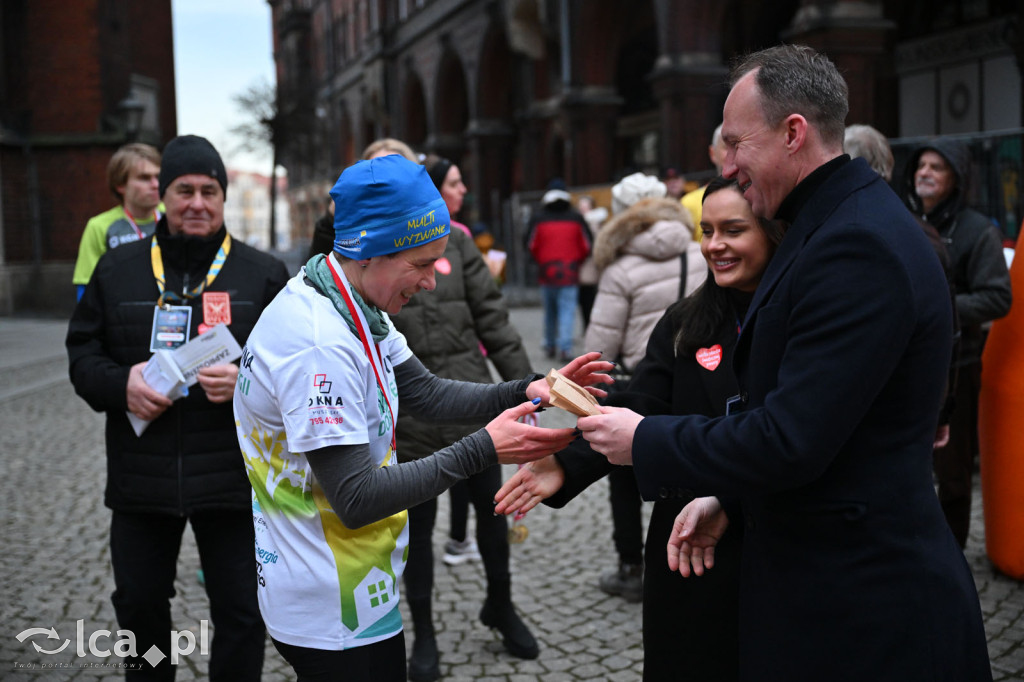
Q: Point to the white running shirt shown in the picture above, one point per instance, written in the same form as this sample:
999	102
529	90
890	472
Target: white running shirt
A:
305	382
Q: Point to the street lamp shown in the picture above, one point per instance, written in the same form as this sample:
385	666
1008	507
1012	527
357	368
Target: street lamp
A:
132	110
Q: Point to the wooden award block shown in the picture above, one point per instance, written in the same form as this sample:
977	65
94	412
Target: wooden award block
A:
570	396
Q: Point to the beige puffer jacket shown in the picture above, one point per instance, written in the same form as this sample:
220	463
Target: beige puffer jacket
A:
639	253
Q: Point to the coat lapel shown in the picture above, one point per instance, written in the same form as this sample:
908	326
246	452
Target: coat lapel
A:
848	179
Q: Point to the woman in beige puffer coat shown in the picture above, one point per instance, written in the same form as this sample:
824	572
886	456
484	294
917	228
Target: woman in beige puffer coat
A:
639	253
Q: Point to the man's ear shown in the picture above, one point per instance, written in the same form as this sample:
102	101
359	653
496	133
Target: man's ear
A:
795	127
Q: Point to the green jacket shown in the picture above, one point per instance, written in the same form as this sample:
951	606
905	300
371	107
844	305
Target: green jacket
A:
445	329
105	231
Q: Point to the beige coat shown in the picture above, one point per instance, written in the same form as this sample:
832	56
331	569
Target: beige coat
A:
639	255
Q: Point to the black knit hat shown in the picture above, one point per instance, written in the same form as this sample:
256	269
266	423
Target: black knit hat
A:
188	154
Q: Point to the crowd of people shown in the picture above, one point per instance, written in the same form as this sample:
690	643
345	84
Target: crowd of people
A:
786	361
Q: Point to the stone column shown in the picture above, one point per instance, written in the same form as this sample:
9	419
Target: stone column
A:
856	36
689	79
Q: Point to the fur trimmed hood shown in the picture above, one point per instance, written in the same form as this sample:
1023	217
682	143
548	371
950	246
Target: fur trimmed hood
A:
617	236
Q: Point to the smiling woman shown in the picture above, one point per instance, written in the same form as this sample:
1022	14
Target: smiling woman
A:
316	406
687	370
735	244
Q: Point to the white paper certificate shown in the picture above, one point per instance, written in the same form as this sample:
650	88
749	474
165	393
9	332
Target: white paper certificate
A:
215	347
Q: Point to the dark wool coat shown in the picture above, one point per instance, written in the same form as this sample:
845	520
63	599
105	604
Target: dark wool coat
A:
187	459
980	277
849	571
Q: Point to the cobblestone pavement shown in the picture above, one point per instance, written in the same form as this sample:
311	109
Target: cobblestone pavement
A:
58	576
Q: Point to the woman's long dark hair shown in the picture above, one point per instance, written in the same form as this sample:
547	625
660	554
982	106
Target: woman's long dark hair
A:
698	318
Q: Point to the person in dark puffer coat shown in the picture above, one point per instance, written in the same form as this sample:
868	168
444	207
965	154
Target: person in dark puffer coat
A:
186	465
936	184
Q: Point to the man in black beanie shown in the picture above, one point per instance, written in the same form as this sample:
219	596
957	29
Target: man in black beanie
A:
185	466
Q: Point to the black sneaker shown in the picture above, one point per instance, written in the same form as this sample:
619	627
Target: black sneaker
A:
627	582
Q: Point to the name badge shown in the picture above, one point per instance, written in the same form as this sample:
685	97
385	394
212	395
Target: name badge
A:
171	326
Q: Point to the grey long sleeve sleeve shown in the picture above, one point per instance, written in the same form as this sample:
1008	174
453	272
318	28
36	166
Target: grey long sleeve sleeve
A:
428	396
361	493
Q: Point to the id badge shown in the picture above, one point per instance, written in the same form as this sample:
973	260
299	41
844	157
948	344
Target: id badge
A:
171	326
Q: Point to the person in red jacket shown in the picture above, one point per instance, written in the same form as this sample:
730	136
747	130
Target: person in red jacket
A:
559	240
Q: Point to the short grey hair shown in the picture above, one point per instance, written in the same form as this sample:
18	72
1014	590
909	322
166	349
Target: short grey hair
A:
795	79
867	142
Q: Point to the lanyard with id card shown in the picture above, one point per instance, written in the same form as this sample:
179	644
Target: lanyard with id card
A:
172	323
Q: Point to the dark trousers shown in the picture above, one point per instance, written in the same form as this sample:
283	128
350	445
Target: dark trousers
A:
587	295
627	523
954	463
491	536
144	554
380	662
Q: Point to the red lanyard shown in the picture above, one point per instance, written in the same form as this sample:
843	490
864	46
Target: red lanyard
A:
131	221
366	346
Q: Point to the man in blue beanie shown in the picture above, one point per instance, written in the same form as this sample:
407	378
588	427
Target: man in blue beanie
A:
158	293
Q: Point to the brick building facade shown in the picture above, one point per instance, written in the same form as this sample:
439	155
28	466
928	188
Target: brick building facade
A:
519	91
66	70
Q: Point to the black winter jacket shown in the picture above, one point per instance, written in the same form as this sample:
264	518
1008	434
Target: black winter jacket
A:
187	460
974	245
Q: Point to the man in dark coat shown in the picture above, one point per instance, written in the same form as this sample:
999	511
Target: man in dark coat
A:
849	571
185	466
936	186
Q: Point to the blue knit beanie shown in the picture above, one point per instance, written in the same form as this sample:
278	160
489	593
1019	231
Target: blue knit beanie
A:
385	205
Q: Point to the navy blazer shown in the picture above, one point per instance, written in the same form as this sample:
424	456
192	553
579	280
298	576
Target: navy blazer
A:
849	570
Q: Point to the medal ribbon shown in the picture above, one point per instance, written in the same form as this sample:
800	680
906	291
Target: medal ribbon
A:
364	337
161	283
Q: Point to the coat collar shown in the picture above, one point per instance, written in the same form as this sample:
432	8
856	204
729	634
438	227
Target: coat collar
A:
811	214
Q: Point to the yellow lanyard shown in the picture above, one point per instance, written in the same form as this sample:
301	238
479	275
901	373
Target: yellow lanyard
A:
161	283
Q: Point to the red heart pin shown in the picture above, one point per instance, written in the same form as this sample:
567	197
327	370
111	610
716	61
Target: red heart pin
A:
443	265
709	358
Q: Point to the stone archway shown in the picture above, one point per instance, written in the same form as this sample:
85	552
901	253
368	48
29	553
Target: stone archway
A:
492	133
451	107
414	112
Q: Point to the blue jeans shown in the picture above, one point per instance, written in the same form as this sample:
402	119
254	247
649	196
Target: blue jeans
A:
559	316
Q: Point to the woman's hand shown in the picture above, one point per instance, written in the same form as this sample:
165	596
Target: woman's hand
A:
518	443
611	433
529	486
586	370
696	531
